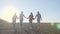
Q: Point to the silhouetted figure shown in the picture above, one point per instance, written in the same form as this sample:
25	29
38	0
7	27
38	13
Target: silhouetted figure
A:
14	22
38	15
21	18
30	20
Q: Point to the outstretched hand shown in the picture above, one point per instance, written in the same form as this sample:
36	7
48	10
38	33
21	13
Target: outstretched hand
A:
33	18
27	18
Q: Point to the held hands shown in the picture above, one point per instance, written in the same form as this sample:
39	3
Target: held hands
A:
33	18
26	17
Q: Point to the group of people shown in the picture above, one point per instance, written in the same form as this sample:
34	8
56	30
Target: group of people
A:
30	17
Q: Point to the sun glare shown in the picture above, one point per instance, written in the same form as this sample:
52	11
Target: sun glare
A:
8	12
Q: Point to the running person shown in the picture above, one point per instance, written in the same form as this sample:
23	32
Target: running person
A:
38	15
30	20
14	20
21	18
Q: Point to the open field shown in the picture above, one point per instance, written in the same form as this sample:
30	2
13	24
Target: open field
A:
45	28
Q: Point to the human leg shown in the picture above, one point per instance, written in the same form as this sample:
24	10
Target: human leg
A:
21	22
30	24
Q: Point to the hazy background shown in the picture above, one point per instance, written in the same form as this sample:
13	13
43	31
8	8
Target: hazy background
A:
49	9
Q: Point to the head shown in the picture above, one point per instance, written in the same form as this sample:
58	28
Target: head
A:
38	12
31	13
21	12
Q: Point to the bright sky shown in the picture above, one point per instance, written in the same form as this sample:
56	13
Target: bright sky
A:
49	9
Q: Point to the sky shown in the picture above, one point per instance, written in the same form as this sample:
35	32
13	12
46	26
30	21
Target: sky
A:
49	9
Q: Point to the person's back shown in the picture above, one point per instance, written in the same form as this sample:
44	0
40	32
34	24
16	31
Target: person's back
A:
14	21
14	18
30	20
31	17
21	17
38	17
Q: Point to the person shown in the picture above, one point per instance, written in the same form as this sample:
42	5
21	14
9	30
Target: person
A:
21	18
14	20
38	15
30	19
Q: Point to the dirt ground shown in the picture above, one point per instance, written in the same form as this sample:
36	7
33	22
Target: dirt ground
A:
45	28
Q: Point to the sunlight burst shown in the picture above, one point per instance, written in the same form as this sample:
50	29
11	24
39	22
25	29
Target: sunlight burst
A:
8	13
